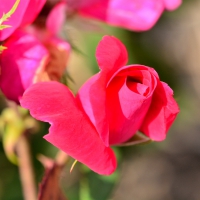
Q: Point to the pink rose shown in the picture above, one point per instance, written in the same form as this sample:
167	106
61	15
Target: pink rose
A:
25	13
121	100
109	108
137	15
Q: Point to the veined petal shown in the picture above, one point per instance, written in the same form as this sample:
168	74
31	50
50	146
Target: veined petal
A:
71	130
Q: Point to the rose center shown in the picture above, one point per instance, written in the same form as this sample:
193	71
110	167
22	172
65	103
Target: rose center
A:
136	85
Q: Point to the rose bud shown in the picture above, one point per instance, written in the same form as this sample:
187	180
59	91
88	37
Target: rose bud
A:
109	108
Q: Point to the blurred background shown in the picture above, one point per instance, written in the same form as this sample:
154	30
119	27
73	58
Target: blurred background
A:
165	170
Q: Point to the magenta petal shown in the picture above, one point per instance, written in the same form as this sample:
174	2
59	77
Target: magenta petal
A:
15	20
71	130
138	15
18	69
129	96
92	97
172	4
161	114
126	110
56	18
32	11
111	55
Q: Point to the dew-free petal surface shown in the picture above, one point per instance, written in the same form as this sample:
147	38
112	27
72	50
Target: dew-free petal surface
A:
128	100
172	4
161	114
111	55
56	18
16	18
32	11
137	15
92	98
19	63
71	130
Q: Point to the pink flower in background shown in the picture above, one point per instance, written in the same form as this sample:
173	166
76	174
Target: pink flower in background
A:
34	55
109	108
19	63
172	4
137	15
25	13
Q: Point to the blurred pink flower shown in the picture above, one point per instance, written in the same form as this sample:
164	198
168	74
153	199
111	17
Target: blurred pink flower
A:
137	15
109	108
33	55
25	13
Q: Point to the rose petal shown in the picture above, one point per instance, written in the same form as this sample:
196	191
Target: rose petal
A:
15	20
33	9
18	69
56	18
111	55
172	4
161	114
129	96
71	130
137	15
92	98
